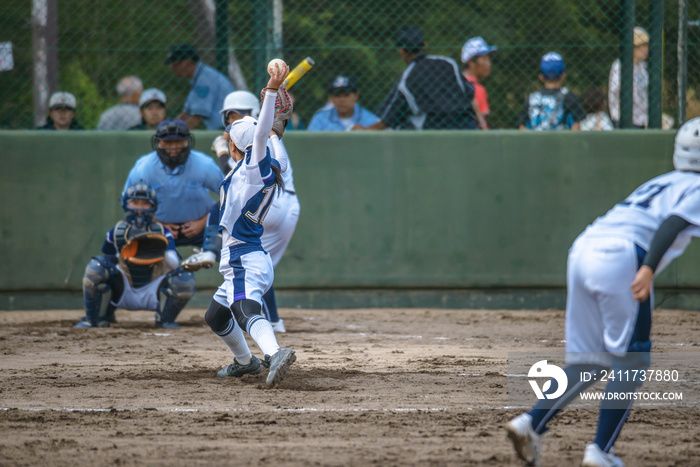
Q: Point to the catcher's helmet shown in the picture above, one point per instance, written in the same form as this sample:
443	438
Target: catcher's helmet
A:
139	217
172	130
242	102
686	151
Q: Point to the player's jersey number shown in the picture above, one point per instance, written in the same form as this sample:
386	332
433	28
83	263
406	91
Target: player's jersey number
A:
642	197
259	216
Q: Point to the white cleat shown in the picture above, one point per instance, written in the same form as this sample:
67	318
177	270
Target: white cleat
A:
593	456
278	326
203	259
526	442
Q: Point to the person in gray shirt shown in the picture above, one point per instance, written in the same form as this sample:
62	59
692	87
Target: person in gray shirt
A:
127	113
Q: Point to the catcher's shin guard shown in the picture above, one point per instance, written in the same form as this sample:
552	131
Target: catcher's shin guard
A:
175	291
100	276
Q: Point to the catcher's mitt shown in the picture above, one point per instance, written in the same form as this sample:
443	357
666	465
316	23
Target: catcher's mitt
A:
283	110
145	248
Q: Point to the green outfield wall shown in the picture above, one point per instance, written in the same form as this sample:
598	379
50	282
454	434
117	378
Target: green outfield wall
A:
400	211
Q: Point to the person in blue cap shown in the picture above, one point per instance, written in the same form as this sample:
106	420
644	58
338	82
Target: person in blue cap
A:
553	107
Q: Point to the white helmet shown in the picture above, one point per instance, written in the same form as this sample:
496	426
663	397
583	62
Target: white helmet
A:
686	152
240	100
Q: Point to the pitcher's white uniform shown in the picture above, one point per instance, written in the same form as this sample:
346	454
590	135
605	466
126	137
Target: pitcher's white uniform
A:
282	218
601	311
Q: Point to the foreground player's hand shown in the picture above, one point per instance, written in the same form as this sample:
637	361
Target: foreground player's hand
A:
279	74
641	285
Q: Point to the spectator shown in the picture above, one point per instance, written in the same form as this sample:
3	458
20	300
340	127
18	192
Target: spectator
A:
152	104
594	105
125	114
295	121
476	56
430	94
345	112
62	107
553	107
209	87
640	98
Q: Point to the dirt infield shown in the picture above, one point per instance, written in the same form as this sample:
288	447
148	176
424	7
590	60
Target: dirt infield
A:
370	387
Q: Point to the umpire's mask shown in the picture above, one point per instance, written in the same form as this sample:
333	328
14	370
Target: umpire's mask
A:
170	133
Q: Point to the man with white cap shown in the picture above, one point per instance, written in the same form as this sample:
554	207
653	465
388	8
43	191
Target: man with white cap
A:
476	56
152	104
125	114
62	107
640	97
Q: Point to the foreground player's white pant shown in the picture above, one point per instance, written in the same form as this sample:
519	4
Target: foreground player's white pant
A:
600	310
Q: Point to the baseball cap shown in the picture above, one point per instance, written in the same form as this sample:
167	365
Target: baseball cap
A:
150	95
242	132
62	99
180	52
641	37
409	38
552	66
343	83
474	47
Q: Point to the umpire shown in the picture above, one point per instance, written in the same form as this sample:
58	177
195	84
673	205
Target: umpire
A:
430	94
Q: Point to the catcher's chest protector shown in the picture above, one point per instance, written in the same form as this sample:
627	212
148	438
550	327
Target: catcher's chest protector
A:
141	251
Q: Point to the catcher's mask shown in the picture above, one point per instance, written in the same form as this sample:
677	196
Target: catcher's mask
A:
139	217
172	130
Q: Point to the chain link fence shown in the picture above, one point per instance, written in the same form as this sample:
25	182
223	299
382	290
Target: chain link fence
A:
85	48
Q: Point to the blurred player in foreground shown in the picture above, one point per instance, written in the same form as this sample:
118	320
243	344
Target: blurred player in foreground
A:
138	269
281	219
610	271
246	196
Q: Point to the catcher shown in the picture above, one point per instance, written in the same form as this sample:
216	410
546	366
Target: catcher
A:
138	269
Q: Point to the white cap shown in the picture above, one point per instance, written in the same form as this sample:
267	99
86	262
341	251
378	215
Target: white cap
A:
150	95
242	132
63	99
474	47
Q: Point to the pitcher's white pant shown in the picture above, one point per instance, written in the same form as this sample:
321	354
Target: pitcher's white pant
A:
246	276
280	222
601	311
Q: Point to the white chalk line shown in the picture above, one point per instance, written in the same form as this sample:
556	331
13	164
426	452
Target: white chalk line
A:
207	410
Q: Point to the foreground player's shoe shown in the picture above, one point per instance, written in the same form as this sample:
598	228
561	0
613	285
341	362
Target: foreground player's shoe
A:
279	363
236	370
278	326
201	259
526	442
596	457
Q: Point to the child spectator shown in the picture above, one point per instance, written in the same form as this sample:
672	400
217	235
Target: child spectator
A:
62	107
152	104
597	119
553	107
476	56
